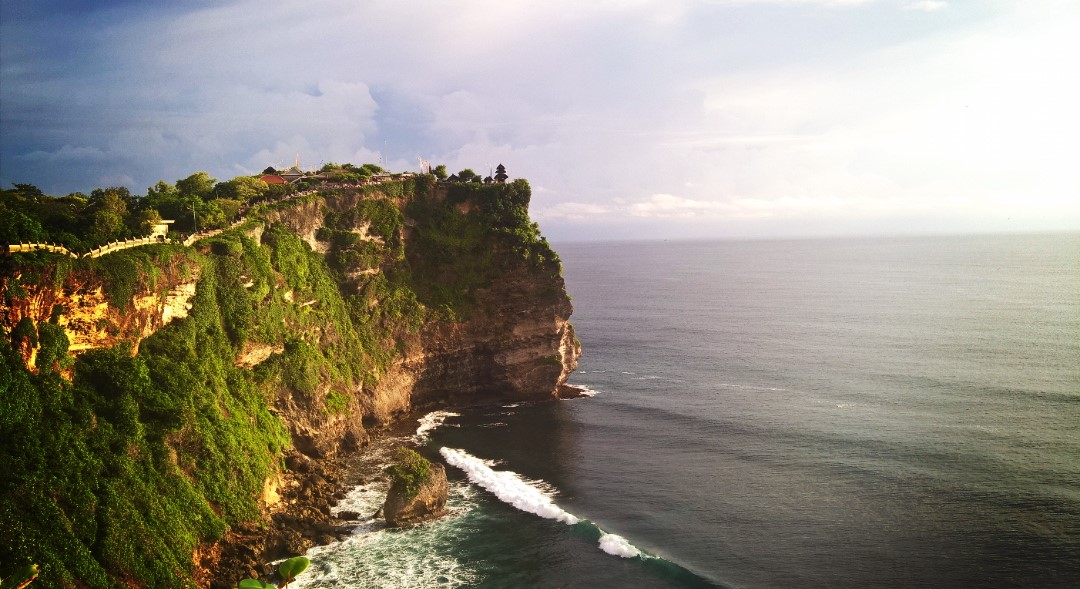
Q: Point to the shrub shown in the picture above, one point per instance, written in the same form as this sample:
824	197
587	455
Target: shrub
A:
336	403
410	471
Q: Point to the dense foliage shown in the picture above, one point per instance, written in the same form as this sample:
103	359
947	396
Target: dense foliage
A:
409	471
118	465
122	471
82	222
460	244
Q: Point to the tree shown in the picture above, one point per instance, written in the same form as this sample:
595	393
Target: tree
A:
110	215
28	190
440	171
241	188
16	227
142	223
370	170
230	208
211	215
121	192
76	201
198	185
467	175
165	199
161	191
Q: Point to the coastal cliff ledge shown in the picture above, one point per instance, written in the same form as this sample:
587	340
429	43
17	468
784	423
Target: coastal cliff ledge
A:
155	393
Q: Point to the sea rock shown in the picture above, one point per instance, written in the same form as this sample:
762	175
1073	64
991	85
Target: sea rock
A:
429	502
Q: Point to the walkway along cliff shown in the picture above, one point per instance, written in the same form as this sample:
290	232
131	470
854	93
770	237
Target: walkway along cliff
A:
162	405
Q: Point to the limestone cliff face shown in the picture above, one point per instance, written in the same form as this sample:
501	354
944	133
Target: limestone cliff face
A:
516	343
78	301
521	347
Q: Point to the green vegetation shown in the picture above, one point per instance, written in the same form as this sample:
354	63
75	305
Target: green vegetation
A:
336	403
290	568
20	578
287	570
121	472
81	222
118	465
410	471
454	253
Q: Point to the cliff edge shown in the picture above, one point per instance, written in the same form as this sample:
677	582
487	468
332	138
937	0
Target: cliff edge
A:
150	397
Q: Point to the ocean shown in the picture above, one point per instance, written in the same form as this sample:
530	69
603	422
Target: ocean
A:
848	413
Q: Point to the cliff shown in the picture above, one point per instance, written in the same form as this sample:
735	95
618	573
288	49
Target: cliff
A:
169	396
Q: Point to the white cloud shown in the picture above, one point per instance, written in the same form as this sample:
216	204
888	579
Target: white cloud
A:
573	211
927	5
667	206
616	111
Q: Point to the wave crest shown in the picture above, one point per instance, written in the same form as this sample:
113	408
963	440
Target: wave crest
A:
530	496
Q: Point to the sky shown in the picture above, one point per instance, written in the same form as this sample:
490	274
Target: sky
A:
631	119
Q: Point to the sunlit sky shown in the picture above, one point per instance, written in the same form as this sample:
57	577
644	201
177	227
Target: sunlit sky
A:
631	118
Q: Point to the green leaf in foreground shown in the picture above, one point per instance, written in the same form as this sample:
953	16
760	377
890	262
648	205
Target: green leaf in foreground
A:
255	584
20	578
292	567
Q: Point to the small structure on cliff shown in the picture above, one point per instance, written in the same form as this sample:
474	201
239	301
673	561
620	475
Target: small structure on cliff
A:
273	179
293	174
161	229
500	174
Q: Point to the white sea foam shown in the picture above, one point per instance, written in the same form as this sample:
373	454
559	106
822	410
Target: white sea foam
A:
534	497
584	391
618	546
508	486
430	422
377	557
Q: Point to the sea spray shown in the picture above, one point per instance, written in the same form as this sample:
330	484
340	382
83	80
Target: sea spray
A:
376	557
430	423
617	545
585	392
513	489
508	486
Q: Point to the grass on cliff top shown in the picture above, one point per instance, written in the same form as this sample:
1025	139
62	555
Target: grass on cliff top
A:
452	253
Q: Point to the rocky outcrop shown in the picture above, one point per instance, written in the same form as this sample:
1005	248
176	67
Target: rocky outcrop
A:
299	519
511	341
401	510
520	348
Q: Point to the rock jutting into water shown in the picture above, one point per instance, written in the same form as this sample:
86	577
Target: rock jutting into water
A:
428	503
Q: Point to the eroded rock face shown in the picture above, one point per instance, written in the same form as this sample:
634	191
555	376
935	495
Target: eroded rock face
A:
429	502
88	319
521	346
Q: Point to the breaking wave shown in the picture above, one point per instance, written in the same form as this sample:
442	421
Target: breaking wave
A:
531	497
430	423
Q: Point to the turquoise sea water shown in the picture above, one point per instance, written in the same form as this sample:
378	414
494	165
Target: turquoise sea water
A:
824	413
